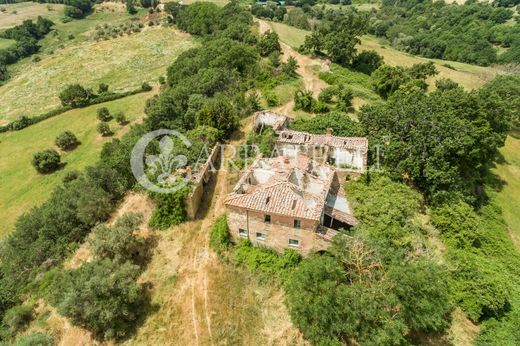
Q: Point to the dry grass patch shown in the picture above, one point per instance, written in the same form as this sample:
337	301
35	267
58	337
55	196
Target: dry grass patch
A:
28	10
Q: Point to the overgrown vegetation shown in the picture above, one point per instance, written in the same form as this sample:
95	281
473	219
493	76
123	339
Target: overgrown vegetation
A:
26	36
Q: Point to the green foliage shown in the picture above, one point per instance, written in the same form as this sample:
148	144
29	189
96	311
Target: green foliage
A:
102	88
77	9
220	114
219	236
66	140
367	61
170	208
508	89
17	318
466	33
75	96
46	161
103	128
303	100
101	296
103	114
118	242
338	37
265	260
341	123
455	137
121	118
35	339
268	43
353	295
388	79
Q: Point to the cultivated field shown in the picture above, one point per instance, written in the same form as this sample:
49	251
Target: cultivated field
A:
16	13
469	76
21	187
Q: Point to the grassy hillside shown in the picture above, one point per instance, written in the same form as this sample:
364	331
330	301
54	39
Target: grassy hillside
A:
5	43
469	76
20	186
16	13
509	196
123	63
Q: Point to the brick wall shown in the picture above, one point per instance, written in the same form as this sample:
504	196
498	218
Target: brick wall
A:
277	233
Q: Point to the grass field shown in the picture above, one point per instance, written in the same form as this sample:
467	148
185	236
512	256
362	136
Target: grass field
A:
28	10
509	197
123	63
5	43
20	186
469	76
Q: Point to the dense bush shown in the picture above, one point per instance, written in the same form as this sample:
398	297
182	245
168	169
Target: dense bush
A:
367	61
103	114
101	296
118	242
170	208
35	339
75	95
388	79
219	237
17	318
104	129
268	43
46	161
66	140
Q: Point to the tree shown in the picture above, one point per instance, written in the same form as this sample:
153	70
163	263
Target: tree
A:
101	296
75	96
118	242
367	61
46	161
73	12
102	88
388	79
103	114
337	37
146	3
104	129
268	43
219	113
66	140
303	100
130	7
219	237
290	67
121	118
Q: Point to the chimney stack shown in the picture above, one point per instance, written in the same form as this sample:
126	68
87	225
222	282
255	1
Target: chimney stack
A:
329	131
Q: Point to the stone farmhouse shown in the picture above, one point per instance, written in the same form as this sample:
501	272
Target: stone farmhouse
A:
296	200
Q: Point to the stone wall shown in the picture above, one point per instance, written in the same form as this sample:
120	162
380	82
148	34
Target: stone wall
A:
199	181
277	233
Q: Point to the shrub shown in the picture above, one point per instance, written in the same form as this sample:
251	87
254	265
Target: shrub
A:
46	161
17	318
75	96
66	140
162	80
101	296
146	86
35	339
271	98
121	118
303	100
367	61
171	208
327	94
118	242
102	88
103	114
219	237
266	260
104	129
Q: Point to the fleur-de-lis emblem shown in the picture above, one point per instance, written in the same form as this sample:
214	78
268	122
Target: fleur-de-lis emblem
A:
165	163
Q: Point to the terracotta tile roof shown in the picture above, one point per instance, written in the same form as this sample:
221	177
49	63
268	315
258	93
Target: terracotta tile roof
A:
296	137
279	198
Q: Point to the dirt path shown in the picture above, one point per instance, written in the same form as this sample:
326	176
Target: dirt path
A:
308	68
